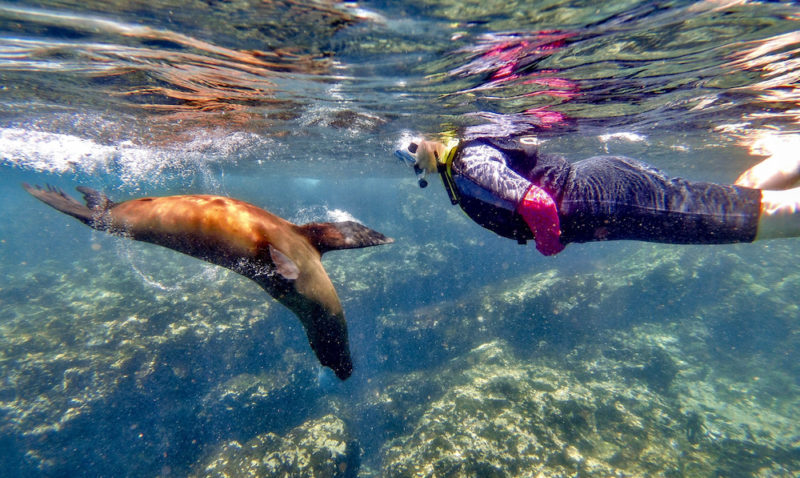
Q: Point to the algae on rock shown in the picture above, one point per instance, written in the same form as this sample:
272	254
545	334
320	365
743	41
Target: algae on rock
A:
500	415
321	448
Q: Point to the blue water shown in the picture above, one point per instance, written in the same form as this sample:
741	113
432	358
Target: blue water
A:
125	359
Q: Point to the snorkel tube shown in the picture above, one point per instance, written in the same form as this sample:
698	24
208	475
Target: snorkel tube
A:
410	160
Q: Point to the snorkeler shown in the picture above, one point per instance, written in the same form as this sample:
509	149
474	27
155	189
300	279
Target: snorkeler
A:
507	186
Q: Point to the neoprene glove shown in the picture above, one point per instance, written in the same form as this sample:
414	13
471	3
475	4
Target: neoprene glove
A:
539	211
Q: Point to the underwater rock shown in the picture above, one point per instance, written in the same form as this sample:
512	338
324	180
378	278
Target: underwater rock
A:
502	415
545	305
101	353
391	408
247	404
321	448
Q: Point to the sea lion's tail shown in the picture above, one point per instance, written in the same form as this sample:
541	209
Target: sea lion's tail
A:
331	236
96	202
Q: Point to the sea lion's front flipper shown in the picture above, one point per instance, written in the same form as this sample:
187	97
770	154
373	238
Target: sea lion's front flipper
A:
330	236
283	265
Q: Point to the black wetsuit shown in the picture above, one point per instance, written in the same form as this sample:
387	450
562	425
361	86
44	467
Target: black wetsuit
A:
599	198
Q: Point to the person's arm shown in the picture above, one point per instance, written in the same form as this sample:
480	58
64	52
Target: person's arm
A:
487	168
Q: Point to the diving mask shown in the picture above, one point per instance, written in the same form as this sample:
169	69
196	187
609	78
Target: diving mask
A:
407	156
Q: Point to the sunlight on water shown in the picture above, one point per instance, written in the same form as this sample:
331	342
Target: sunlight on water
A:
63	153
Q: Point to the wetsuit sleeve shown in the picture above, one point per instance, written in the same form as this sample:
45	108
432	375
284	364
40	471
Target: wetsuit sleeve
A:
483	173
486	168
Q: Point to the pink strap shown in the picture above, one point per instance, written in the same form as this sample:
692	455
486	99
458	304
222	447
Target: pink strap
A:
540	214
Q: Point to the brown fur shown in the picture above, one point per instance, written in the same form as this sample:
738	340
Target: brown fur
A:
280	256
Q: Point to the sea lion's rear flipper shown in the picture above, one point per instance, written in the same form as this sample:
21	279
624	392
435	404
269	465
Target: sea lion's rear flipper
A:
91	214
331	236
58	199
95	200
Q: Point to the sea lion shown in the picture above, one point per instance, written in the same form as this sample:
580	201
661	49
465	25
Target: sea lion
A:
281	257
